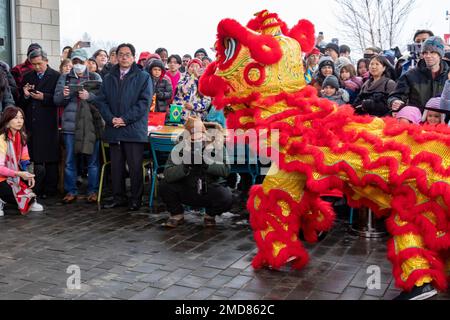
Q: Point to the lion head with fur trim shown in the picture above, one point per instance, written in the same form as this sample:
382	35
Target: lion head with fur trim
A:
259	61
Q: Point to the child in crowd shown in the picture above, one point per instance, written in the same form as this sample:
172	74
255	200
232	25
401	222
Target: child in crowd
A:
363	69
332	92
433	114
311	65
326	68
65	66
188	95
162	87
409	115
92	65
350	81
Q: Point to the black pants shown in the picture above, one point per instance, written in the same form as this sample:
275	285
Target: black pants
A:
6	193
218	200
132	154
48	182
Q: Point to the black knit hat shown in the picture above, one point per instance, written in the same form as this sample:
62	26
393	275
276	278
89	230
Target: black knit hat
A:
156	64
201	50
326	61
332	46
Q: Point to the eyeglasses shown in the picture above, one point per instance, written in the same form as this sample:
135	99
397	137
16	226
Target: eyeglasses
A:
125	55
186	61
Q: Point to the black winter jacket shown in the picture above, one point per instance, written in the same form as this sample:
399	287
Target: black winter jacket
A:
129	99
417	87
163	91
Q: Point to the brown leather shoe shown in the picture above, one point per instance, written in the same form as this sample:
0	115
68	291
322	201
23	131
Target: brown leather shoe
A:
68	199
210	222
93	198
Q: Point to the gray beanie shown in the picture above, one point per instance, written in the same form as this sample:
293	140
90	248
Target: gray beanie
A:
331	81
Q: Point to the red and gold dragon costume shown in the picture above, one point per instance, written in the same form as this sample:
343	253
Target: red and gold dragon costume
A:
401	172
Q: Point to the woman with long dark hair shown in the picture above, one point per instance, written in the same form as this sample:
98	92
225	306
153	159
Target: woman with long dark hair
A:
372	99
16	182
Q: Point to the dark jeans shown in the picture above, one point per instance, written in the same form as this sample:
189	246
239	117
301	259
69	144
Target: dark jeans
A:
216	201
6	193
132	154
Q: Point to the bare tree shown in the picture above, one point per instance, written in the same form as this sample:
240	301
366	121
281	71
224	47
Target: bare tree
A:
394	17
373	23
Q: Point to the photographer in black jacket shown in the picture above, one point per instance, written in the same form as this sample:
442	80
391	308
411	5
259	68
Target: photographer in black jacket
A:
195	176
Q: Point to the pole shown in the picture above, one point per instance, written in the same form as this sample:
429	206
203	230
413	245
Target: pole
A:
447	17
12	9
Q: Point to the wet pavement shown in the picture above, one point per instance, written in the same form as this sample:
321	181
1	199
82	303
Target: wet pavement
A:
130	256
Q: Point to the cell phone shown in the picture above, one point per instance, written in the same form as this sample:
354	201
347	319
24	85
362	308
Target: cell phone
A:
320	33
75	88
2	42
32	91
85	44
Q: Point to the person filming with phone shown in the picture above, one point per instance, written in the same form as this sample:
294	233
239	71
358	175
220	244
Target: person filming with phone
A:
41	121
82	124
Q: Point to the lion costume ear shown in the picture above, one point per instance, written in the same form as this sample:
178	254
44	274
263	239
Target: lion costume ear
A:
304	33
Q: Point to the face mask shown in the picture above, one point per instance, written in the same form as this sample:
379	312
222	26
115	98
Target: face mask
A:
79	68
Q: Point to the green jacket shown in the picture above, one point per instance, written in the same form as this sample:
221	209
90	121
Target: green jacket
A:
214	173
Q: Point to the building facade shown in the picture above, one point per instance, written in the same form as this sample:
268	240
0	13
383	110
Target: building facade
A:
23	22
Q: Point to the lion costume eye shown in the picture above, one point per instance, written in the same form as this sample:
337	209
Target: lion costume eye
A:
230	48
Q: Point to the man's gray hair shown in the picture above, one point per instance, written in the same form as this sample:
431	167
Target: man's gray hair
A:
37	53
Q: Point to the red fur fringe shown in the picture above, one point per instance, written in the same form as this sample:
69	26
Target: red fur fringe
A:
436	271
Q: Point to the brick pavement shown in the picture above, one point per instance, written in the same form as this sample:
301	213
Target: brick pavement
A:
130	256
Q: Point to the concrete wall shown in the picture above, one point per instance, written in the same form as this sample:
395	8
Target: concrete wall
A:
38	21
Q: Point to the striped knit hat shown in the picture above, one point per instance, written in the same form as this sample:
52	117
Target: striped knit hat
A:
434	104
434	44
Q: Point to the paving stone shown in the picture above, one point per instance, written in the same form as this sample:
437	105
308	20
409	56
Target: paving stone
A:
322	295
218	281
299	294
206	272
191	281
351	293
245	295
201	294
175	293
238	282
147	294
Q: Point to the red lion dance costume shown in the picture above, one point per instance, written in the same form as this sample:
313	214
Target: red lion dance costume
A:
401	172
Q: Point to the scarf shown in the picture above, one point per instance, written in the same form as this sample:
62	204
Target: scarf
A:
22	193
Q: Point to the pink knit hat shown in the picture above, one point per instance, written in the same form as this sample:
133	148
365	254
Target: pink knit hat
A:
410	113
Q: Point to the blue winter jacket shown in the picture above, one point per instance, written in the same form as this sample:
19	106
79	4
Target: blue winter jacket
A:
129	99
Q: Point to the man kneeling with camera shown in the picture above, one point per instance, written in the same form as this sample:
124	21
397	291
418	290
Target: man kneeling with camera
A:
195	175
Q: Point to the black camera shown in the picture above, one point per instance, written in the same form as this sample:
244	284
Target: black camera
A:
415	50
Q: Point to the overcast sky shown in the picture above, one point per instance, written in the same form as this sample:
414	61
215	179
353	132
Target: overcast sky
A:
182	26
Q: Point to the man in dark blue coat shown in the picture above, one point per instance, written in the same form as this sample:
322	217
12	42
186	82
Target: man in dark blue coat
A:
124	103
